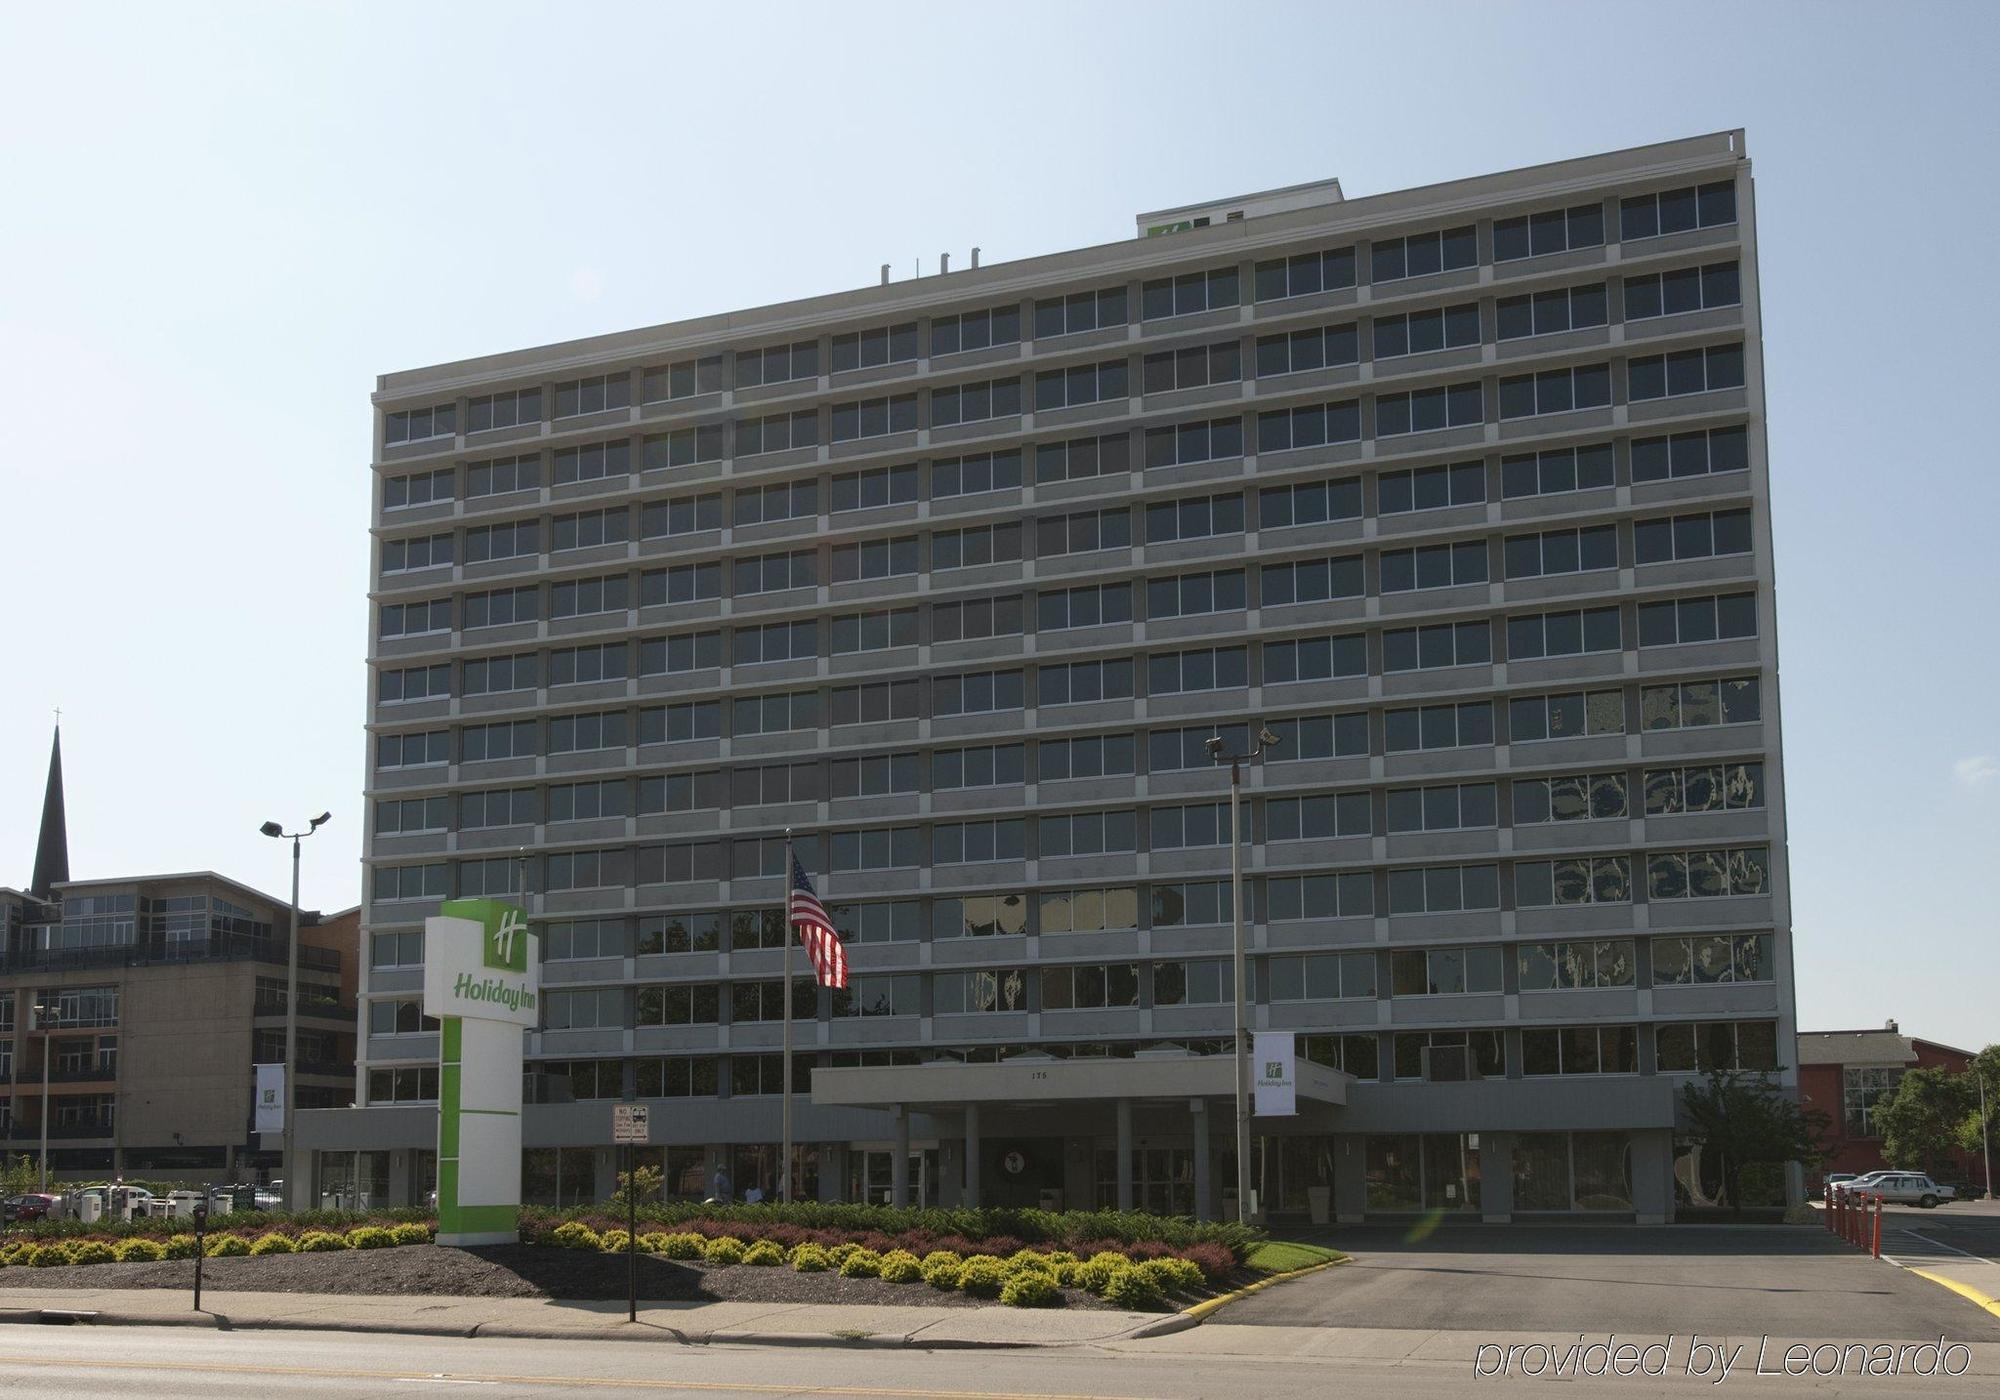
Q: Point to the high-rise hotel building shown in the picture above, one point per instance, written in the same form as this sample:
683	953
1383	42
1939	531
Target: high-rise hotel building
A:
1461	490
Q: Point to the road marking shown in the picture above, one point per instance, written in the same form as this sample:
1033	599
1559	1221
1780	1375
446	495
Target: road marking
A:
1952	1247
221	1368
1972	1295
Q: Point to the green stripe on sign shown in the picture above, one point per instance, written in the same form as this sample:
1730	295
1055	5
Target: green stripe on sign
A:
452	1042
448	1208
448	1112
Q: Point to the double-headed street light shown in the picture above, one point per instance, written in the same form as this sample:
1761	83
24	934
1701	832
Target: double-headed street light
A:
278	833
44	1014
1216	751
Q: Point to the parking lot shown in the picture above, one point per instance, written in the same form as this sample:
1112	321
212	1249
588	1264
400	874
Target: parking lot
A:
1793	1282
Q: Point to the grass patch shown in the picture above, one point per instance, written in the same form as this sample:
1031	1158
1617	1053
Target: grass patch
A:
1282	1256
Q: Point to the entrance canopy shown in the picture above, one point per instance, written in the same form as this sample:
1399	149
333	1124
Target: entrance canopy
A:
1027	1080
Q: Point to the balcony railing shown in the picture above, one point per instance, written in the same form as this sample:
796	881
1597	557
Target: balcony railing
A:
159	952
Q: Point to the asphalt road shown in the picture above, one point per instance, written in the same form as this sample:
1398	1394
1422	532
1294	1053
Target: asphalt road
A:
1786	1282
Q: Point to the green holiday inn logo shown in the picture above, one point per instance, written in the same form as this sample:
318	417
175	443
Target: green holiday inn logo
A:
503	931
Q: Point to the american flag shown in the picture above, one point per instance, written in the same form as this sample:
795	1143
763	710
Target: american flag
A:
816	931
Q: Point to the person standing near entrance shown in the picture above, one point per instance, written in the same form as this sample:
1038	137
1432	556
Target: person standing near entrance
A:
718	1188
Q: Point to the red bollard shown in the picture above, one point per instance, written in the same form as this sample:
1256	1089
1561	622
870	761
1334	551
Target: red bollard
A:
1878	1227
1826	1196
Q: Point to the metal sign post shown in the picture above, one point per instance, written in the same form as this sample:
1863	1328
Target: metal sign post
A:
630	1126
200	1243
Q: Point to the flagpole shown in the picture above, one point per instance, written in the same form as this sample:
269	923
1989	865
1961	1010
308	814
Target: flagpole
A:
785	1158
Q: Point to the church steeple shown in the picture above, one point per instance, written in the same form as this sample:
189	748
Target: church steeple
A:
52	849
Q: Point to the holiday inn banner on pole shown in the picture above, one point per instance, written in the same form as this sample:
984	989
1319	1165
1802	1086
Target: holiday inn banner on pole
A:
482	980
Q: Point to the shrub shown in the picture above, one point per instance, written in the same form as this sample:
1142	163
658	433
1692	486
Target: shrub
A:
370	1237
723	1249
227	1246
861	1263
837	1253
140	1251
1030	1259
1173	1275
410	1232
942	1270
1214	1260
45	1256
810	1259
1061	1257
92	1252
684	1245
273	1244
613	1241
1031	1288
901	1266
982	1276
180	1247
574	1234
940	1256
764	1253
653	1241
1133	1288
1095	1272
321	1242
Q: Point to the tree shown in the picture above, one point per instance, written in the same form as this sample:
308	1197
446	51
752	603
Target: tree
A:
19	1176
1987	1063
1920	1122
1747	1119
650	1181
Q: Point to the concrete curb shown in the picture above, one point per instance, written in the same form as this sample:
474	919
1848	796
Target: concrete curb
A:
1965	1291
1193	1316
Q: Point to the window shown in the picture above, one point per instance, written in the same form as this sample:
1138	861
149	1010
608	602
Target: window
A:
1081	384
1444	889
878	486
1295	897
1083	532
1076	459
591	527
1465	725
777	432
1701	1046
659	864
992	765
1281	430
1683	289
1546	313
975	330
975	545
1550	552
1193	367
1197	824
1320	736
413	750
972	403
405	1016
1089	606
1565	716
749	786
1321	347
1703	535
976	618
1317	818
1444	972
1707	787
1550	967
777	641
1431	488
1685	372
398	882
1551	231
1555	471
775	714
677	655
421	552
884	345
410	815
495	675
1572	797
1569	633
1302	581
1580	1050
1708	874
1080	682
1307	977
683	379
1436	645
414	683
422	489
589	597
595	461
1188	293
775	573
1702	958
1482	1048
1089	911
1863	1089
900	921
583	1008
415	619
1099	756
1193	518
1303	274
1199	669
987	990
1358	1055
777	364
1185	750
976	693
1308	503
511	540
1185	443
682	1004
875	559
420	424
1578	880
394	949
1427	410
975	473
588	801
501	475
785	500
587	732
674	724
1698	704
1445	807
1433	566
597	394
1080	311
675	1077
506	739
1690	454
898	994
676	933
1555	391
1190	595
1314	659
1089	833
1421	253
608	661
876	702
765	1001
1090	986
1677	211
684	447
879	630
1418	332
882	849
586	870
1193	904
1720	617
979	916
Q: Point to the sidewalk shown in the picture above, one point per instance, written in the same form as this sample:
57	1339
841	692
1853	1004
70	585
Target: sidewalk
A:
1972	1277
768	1324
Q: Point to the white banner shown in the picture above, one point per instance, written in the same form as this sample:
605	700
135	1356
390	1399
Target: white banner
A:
1272	1056
270	1098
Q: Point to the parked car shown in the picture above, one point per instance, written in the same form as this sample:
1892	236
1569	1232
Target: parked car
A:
1901	1188
1840	1178
32	1206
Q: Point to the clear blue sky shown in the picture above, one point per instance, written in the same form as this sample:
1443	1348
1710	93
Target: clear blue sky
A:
224	221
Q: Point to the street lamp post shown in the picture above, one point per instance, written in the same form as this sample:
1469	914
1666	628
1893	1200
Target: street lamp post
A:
1265	740
285	1163
42	1010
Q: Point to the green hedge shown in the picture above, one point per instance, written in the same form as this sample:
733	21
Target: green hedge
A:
238	1222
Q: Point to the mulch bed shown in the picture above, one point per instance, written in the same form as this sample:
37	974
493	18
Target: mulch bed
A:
500	1271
